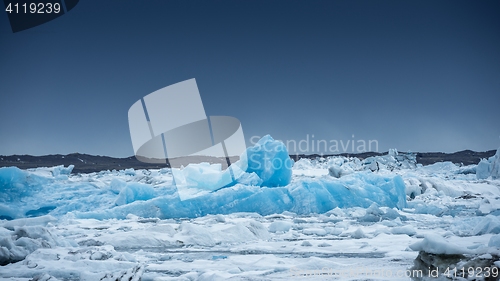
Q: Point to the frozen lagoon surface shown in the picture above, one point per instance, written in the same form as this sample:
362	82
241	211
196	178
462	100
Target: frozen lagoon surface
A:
382	218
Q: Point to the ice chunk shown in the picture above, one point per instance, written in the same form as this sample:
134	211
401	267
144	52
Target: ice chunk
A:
314	231
117	185
407	229
44	277
306	243
436	244
483	169
129	172
335	171
269	159
203	176
358	234
250	179
15	186
258	229
393	160
339	171
192	234
238	233
494	241
17	244
370	218
489	224
490	167
425	208
42	221
61	170
334	230
133	274
133	192
16	183
303	164
280	226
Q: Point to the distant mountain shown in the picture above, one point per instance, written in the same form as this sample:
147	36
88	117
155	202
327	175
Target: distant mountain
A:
85	163
466	157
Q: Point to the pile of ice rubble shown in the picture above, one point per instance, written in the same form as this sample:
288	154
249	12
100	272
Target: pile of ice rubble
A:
321	217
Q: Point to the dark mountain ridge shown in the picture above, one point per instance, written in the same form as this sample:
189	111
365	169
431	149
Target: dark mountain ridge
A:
85	163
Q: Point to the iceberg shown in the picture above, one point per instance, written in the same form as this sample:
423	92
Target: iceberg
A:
265	164
302	197
263	185
269	159
15	186
489	168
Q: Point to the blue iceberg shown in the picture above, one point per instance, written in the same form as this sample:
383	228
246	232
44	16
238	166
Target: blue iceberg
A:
269	159
265	164
302	197
264	186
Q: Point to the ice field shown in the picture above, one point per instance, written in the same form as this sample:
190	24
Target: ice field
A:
336	218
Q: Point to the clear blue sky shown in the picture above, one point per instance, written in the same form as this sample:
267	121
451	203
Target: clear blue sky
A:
414	75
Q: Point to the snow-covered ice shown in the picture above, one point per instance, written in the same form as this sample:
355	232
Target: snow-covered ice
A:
336	218
490	167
